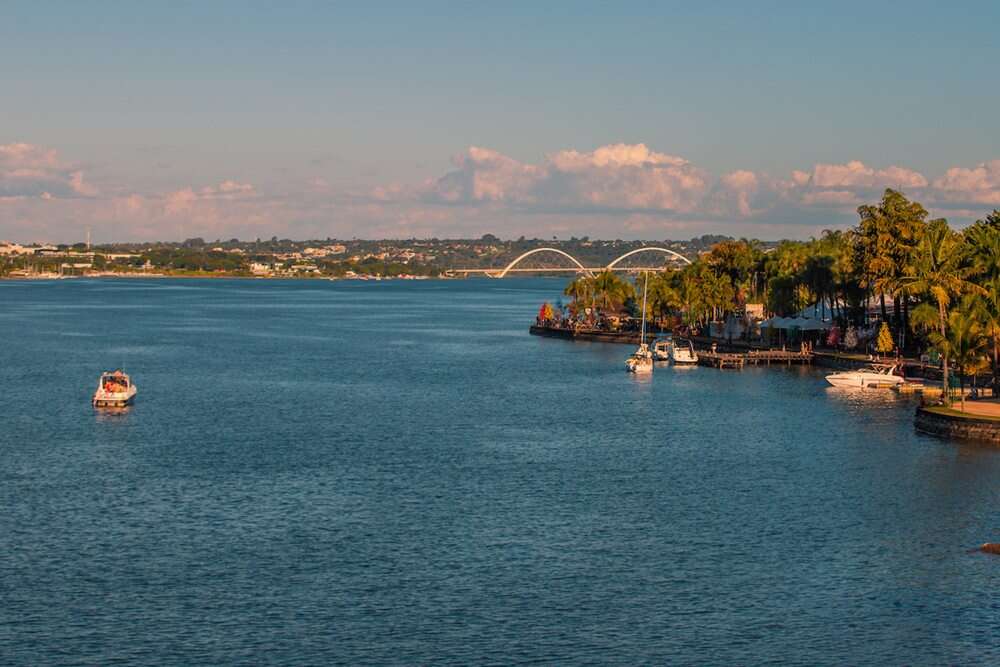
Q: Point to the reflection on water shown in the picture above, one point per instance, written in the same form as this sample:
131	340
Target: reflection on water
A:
346	473
864	396
111	415
639	378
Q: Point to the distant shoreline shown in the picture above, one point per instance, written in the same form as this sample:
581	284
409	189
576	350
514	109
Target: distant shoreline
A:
42	277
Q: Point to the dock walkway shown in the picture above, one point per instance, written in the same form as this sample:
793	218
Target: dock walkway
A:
768	357
754	357
722	359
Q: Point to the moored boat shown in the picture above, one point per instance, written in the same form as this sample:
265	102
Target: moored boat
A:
641	361
875	375
114	390
682	352
661	350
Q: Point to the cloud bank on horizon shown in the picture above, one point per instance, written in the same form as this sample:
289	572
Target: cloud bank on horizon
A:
615	191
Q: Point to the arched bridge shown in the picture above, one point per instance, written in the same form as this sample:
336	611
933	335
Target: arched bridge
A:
578	268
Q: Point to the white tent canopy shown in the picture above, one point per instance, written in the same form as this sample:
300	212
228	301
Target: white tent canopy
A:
800	323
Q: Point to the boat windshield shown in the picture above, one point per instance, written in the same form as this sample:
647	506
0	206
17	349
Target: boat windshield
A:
114	382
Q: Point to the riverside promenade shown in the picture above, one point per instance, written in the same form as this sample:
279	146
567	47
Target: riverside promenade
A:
978	421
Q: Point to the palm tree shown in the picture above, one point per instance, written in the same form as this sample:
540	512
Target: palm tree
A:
938	271
781	295
818	277
987	311
965	344
889	234
582	291
661	296
690	294
737	259
846	278
611	291
719	293
983	241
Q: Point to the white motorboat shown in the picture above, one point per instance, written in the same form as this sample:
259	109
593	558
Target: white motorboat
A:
682	352
875	375
114	390
641	361
661	350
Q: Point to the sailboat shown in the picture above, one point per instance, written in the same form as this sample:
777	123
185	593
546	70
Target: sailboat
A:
641	361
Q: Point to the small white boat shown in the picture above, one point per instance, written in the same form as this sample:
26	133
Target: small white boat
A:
641	360
682	352
875	375
661	350
114	390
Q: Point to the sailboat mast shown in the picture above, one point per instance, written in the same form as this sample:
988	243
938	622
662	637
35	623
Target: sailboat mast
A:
645	286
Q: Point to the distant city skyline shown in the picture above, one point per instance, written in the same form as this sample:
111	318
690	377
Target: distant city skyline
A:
309	120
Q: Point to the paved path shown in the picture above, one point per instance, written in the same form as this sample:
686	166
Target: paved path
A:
987	408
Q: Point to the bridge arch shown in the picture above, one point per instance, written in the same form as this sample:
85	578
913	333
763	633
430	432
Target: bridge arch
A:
653	248
538	250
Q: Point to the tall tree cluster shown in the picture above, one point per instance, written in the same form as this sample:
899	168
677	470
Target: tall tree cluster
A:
943	285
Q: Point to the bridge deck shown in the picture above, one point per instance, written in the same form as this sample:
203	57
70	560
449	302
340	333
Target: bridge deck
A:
564	269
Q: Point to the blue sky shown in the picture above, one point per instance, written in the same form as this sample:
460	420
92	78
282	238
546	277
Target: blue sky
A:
346	120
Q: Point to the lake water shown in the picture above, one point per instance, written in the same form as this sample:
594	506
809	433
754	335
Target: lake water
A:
397	473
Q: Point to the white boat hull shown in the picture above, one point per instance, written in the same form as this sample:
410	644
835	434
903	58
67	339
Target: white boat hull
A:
863	381
639	365
117	399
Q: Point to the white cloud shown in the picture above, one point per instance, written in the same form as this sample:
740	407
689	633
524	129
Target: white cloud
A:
27	170
618	177
857	174
617	191
614	155
743	185
978	185
484	175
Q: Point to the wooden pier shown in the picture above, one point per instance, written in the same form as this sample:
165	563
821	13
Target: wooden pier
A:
721	360
738	360
768	357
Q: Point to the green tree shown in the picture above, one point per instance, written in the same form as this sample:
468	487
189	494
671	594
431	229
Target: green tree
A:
582	292
738	260
940	273
983	240
661	297
884	344
781	295
818	276
964	344
888	234
611	291
690	294
990	222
